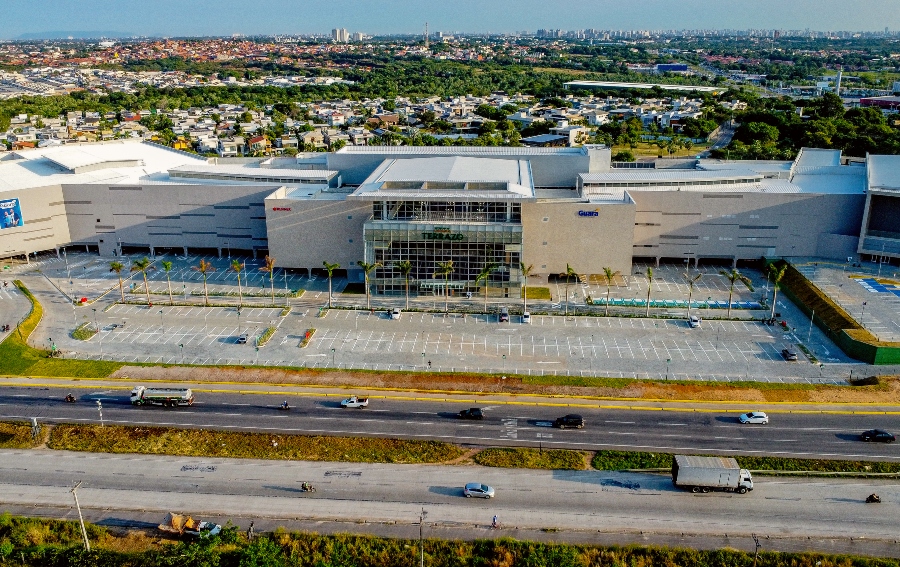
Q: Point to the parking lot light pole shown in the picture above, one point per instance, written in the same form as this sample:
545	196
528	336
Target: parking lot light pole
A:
181	346
160	319
332	358
668	360
95	319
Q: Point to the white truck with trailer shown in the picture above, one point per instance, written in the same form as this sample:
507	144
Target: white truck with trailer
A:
702	474
166	397
355	402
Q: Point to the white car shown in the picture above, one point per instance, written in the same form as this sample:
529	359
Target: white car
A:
754	417
694	321
478	490
526	317
395	313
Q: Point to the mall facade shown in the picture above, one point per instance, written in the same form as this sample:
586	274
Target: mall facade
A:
457	218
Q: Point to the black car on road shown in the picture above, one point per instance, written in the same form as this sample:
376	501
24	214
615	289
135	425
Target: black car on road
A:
569	421
877	435
471	413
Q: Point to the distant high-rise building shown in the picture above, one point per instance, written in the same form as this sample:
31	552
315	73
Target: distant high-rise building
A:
358	36
340	35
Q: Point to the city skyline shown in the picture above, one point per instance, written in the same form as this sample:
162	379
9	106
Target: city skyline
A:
171	18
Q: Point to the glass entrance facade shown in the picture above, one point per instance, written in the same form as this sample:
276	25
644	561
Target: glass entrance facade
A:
430	234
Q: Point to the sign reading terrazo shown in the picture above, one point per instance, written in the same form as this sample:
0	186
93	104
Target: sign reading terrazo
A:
442	233
10	214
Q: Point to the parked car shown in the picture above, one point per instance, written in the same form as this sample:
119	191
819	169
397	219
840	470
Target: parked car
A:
789	354
694	321
395	313
471	413
478	490
877	435
243	338
526	317
759	417
504	315
569	421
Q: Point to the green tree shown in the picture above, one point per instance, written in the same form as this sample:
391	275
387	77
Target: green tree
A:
143	266
205	268
117	267
367	268
237	267
735	276
445	269
269	267
167	268
405	267
609	275
692	281
330	268
568	274
776	273
484	275
526	271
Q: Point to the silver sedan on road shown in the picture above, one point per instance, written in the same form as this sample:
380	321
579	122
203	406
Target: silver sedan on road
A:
478	490
754	417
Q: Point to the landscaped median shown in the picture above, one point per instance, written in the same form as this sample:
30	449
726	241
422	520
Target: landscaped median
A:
229	444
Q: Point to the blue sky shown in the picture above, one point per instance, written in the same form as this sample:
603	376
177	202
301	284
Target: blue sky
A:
225	17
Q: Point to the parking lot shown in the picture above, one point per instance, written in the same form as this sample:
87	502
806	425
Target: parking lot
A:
551	344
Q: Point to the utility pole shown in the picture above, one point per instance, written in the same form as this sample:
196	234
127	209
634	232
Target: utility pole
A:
756	553
421	541
74	491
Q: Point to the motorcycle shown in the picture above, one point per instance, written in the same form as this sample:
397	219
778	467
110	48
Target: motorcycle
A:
307	487
873	499
70	398
284	407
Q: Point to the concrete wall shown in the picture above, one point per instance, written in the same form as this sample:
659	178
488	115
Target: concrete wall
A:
735	226
167	216
45	223
555	234
303	233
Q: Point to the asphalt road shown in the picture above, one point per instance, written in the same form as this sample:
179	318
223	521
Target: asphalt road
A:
564	500
808	435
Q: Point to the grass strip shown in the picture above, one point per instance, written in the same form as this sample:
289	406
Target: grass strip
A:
524	458
17	358
266	336
206	443
16	435
84	332
39	542
621	460
532	292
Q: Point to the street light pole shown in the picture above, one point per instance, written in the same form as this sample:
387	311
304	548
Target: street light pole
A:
332	358
668	360
809	334
422	541
74	491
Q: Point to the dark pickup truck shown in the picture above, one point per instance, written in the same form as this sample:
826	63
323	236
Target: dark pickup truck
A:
471	413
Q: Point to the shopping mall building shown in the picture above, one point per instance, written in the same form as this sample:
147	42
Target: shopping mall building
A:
475	207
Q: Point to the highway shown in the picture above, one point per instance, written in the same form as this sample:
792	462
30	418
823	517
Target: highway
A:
808	435
123	486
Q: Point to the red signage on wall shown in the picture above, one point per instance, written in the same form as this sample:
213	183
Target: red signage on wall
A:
281	208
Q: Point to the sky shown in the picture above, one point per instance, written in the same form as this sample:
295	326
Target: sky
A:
226	17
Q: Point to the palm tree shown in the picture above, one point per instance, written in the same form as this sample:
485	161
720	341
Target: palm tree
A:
237	266
270	269
331	268
204	268
117	267
691	281
484	274
405	268
445	269
649	287
526	271
167	267
568	275
735	276
609	275
367	269
776	274
143	266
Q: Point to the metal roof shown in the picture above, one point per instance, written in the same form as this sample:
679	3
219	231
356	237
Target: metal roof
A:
469	151
884	172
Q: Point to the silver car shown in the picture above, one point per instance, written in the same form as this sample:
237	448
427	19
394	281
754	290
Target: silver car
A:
478	490
759	417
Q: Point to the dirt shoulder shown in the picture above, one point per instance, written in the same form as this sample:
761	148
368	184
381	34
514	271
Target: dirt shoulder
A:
886	392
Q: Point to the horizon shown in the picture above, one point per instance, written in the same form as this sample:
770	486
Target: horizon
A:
170	18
